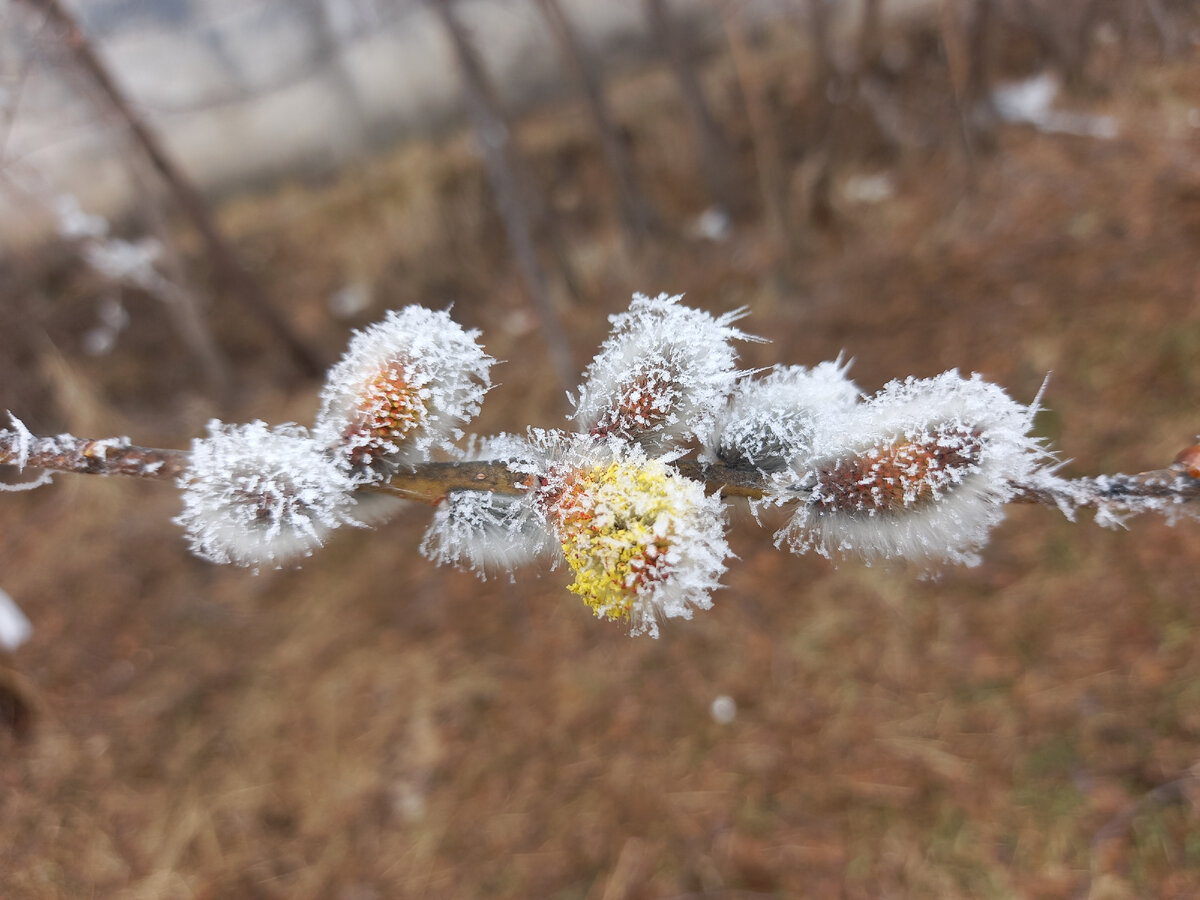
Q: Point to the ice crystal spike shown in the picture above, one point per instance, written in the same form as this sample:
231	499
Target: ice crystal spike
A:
770	421
256	495
488	532
662	374
643	542
920	471
404	387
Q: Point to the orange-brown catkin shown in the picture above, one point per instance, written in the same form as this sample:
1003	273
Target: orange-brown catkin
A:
389	409
899	475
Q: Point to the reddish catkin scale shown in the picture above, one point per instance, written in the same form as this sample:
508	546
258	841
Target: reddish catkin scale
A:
900	475
642	406
389	410
402	389
662	375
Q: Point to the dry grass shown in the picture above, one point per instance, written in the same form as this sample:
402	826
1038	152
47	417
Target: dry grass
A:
372	727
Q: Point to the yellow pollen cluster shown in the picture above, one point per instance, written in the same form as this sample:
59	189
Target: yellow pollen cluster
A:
389	408
615	523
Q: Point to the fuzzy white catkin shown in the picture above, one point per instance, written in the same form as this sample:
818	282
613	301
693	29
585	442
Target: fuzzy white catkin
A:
258	495
644	542
662	375
486	532
768	422
418	370
921	471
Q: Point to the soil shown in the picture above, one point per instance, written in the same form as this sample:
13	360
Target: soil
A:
370	726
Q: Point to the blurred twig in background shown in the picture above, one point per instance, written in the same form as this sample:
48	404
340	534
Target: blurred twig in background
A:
772	178
226	264
716	158
637	214
513	186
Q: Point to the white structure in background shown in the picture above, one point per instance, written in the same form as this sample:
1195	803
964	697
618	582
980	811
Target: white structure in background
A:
245	90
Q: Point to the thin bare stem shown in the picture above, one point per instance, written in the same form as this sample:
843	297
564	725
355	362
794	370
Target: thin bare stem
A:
772	178
716	157
225	261
430	482
512	185
85	456
636	212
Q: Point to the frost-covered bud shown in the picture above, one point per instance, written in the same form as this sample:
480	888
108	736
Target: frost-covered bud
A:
256	495
770	421
643	541
403	387
489	532
920	471
662	374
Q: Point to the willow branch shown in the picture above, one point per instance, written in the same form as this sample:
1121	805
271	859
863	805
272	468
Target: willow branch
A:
430	482
110	456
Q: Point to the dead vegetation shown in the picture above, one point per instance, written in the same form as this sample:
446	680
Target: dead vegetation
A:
369	726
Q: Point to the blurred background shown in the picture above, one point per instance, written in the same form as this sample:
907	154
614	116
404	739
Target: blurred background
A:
200	199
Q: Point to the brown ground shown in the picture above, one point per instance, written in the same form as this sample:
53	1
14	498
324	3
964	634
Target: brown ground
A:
370	726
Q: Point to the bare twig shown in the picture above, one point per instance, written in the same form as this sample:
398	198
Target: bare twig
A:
84	456
1178	790
1065	32
636	211
716	158
511	185
228	267
430	482
960	65
772	179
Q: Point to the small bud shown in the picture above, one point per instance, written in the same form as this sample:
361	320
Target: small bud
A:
403	387
643	541
920	471
1189	461
662	374
770	421
255	495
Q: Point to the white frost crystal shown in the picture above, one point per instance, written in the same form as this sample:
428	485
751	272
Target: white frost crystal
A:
644	542
770	421
256	495
404	386
489	532
661	376
920	471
